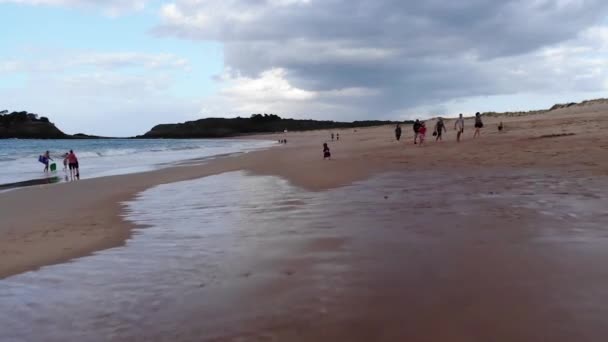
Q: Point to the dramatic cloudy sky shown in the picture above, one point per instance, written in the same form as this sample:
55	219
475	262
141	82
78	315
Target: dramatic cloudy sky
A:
117	67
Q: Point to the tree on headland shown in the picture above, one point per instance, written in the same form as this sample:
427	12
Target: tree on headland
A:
259	118
7	118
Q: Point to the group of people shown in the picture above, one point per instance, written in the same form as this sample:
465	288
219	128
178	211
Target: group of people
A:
420	129
70	162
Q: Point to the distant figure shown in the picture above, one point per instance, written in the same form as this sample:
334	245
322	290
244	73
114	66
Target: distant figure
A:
326	153
44	159
416	128
459	126
285	141
439	129
478	125
398	132
337	136
73	165
421	133
332	137
500	127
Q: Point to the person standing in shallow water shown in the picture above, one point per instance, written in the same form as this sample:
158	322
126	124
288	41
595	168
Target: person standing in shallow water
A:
416	128
478	125
44	159
73	165
398	132
459	127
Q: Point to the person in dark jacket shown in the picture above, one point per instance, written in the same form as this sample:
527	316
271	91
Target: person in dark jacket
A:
478	125
326	153
398	132
416	128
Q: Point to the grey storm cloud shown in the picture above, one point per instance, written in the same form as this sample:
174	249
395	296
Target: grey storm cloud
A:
412	52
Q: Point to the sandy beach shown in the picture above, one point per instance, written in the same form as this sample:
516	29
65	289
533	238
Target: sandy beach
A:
52	224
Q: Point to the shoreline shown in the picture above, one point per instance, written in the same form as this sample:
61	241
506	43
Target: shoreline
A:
46	225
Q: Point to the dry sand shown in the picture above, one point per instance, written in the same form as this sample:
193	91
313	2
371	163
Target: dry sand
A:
54	223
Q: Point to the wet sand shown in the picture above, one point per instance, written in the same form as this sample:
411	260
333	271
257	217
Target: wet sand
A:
55	223
48	224
502	255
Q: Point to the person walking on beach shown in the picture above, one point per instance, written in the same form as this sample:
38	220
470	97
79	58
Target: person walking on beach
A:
421	133
439	129
44	159
73	165
398	132
416	128
459	126
478	125
332	137
337	136
326	153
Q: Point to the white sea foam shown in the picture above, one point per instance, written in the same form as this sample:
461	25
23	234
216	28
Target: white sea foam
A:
104	157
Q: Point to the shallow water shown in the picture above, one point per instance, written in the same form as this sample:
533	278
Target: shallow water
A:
106	157
242	257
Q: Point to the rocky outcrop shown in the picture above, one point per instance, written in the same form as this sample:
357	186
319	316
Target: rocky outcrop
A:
24	125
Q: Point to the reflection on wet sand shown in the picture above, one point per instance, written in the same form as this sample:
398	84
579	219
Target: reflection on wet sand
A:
32	182
492	256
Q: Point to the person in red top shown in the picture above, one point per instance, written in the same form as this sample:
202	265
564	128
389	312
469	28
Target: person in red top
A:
421	133
73	164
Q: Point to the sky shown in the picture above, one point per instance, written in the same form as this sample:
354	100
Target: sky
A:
119	67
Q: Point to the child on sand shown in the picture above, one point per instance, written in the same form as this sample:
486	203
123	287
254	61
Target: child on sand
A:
422	133
326	153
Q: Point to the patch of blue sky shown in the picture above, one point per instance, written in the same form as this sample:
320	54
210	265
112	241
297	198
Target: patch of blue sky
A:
13	80
30	30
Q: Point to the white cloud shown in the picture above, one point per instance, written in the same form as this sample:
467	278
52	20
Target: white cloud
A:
105	93
407	53
271	92
10	66
67	61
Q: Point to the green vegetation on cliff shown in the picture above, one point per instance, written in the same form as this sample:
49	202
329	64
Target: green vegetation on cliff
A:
257	123
26	125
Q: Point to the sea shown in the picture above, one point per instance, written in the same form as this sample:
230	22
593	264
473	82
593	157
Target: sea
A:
19	163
